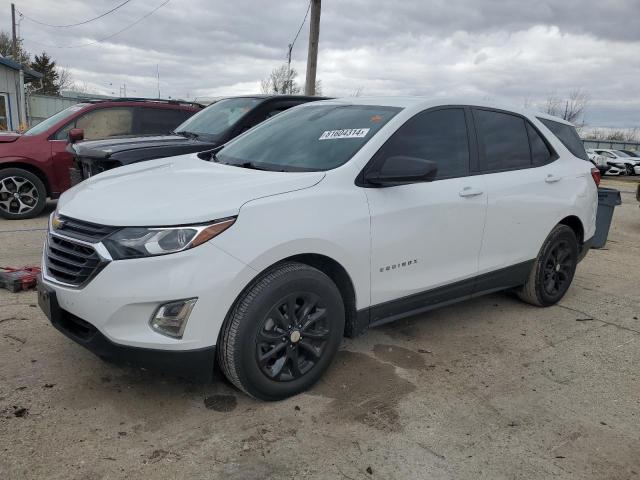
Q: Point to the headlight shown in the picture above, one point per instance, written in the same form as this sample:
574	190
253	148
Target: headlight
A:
138	242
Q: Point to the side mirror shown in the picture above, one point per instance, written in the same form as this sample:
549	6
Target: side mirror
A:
76	135
402	170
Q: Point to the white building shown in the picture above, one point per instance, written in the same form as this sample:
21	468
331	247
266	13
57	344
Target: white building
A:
13	78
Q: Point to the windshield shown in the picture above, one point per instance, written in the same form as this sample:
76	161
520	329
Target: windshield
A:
217	118
311	138
44	125
622	154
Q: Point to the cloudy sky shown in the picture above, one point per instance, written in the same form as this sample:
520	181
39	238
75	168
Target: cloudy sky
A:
505	50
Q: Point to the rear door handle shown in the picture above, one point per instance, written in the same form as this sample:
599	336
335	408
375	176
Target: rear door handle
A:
551	178
470	192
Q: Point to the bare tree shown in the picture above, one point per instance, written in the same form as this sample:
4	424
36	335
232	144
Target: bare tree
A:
358	91
571	108
281	80
6	49
65	80
82	87
631	135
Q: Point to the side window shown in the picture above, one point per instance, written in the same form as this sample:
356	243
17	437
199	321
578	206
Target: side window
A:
106	122
159	121
568	136
503	139
63	133
540	153
439	136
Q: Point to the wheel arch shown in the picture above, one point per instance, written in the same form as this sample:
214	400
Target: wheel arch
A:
29	167
330	267
339	275
575	224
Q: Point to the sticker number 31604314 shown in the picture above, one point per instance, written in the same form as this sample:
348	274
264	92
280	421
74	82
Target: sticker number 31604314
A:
344	133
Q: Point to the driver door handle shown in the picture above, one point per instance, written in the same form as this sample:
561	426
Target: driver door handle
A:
551	178
470	192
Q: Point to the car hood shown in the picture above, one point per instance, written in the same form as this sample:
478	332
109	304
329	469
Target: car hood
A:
175	191
112	147
7	137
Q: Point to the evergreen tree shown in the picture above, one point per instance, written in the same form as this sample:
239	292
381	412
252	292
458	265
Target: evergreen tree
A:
47	67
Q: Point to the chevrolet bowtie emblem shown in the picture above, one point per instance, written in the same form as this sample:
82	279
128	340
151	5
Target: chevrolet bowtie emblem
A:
56	223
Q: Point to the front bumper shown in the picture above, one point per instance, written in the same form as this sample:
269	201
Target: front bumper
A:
116	305
195	364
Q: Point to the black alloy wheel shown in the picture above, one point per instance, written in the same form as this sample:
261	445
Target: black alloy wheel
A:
559	265
282	332
292	337
553	270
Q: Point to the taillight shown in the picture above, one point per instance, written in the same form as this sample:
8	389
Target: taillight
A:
595	173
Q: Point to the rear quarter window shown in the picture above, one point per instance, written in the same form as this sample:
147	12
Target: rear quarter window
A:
568	136
159	121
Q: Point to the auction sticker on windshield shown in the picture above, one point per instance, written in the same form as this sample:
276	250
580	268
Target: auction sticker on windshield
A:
344	133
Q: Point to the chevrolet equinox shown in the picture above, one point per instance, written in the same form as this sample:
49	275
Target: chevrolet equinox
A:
328	219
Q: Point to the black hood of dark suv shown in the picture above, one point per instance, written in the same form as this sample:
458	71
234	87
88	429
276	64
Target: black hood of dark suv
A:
127	150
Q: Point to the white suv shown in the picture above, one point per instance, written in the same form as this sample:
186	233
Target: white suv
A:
329	218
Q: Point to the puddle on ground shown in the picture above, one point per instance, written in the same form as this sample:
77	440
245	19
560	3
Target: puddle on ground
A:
399	356
221	403
363	390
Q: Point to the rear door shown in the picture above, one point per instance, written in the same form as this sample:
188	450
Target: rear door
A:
526	190
427	235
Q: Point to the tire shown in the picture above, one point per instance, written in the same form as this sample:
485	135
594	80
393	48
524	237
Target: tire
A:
629	170
257	327
22	194
553	270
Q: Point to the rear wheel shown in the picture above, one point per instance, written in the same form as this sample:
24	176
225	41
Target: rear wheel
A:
553	270
22	194
283	332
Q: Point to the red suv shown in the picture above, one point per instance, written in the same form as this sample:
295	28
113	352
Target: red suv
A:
35	165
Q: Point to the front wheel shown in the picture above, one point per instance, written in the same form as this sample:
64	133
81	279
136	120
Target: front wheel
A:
629	169
283	332
553	270
22	194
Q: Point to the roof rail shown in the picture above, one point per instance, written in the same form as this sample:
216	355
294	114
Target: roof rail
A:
146	100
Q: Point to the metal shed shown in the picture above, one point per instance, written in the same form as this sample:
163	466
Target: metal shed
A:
13	78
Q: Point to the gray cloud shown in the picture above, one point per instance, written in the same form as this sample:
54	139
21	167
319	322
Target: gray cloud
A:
506	49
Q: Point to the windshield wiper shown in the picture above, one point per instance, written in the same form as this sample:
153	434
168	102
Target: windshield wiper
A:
249	165
186	134
210	155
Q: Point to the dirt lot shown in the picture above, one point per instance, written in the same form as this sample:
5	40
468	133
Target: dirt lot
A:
490	388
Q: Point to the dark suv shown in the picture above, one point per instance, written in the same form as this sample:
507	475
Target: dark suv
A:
35	165
210	128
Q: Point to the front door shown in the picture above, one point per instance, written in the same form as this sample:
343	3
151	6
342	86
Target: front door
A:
427	235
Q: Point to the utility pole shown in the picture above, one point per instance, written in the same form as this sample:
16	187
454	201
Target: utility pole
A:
158	77
288	81
312	56
13	31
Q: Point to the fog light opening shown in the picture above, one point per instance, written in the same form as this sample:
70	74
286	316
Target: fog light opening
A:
170	319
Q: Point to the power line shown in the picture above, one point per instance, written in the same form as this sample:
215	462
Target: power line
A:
74	24
301	25
108	36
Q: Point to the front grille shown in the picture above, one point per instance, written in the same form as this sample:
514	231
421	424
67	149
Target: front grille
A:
70	262
89	232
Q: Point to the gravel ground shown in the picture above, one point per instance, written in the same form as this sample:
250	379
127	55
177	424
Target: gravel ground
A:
489	388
